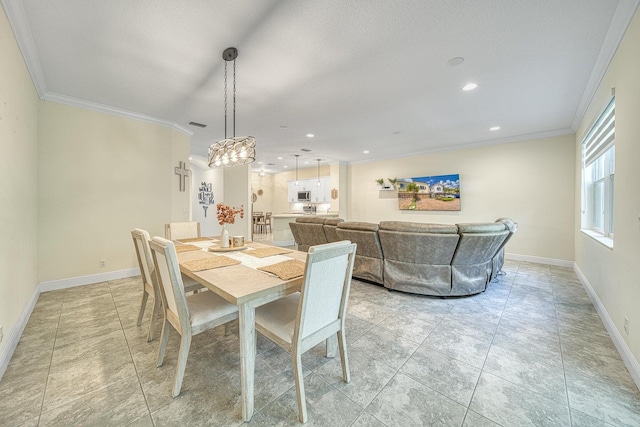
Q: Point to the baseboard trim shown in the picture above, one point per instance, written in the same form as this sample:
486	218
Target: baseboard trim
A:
16	332
540	260
54	285
625	352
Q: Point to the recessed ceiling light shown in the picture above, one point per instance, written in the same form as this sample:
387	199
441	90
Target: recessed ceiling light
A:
495	128
310	135
469	86
455	61
366	152
280	157
285	166
190	158
259	163
306	163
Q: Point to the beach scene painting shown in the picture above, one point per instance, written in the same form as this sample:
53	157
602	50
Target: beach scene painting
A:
429	193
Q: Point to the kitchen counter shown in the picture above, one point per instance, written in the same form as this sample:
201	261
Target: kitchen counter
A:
297	214
280	226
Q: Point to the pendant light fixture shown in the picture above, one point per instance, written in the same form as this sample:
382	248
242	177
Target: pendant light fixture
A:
318	183
237	150
297	155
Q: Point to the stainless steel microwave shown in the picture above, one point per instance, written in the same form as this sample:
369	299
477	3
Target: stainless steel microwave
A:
304	196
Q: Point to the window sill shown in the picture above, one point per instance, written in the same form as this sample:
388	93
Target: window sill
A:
604	241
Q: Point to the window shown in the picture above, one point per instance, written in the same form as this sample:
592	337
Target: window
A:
598	175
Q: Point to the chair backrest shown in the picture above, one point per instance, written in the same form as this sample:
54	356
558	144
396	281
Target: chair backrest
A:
170	283
145	261
325	287
181	230
267	217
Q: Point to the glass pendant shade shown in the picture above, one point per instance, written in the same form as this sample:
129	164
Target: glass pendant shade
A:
237	150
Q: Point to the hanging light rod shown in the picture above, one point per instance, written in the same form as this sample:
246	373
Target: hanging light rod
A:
237	150
318	182
297	155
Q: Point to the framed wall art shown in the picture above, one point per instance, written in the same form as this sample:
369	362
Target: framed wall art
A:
429	193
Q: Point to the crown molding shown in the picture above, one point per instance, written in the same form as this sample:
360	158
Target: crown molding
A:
17	17
477	144
619	23
108	109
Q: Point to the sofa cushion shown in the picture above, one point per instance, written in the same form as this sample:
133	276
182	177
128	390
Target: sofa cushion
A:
418	227
310	219
481	227
333	221
362	226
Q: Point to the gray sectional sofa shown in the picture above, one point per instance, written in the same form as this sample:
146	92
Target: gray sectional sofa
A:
429	259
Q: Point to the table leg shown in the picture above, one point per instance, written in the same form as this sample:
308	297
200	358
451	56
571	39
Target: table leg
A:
247	358
332	345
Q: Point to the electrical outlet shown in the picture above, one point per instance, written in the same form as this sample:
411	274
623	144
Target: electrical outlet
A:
102	263
1	334
626	326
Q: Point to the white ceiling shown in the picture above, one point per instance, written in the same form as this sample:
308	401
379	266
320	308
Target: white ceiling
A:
360	75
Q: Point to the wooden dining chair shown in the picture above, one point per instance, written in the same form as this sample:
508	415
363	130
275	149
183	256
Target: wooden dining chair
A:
182	230
263	223
302	320
149	283
188	314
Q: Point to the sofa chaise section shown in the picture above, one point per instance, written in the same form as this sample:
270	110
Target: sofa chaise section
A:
417	256
473	259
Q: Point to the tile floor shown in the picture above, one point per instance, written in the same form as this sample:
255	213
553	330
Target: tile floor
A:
531	350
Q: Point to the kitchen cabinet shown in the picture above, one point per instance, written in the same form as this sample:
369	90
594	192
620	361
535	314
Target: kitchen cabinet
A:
320	194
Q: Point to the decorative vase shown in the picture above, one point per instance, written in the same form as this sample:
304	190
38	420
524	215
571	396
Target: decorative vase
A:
224	237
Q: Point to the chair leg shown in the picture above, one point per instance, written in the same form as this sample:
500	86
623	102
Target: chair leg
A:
145	296
342	344
297	371
164	336
185	343
154	317
227	329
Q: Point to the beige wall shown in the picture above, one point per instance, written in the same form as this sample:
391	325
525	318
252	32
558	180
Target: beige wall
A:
614	273
236	183
208	225
530	181
264	202
18	183
99	177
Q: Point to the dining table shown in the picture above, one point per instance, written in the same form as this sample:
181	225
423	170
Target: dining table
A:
247	287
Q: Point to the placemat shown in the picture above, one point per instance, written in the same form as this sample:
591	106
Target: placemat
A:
265	252
196	239
186	248
209	263
286	269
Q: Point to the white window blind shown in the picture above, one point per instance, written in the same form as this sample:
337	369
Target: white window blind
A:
602	135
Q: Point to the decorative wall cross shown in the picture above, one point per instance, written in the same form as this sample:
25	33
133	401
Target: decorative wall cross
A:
184	173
